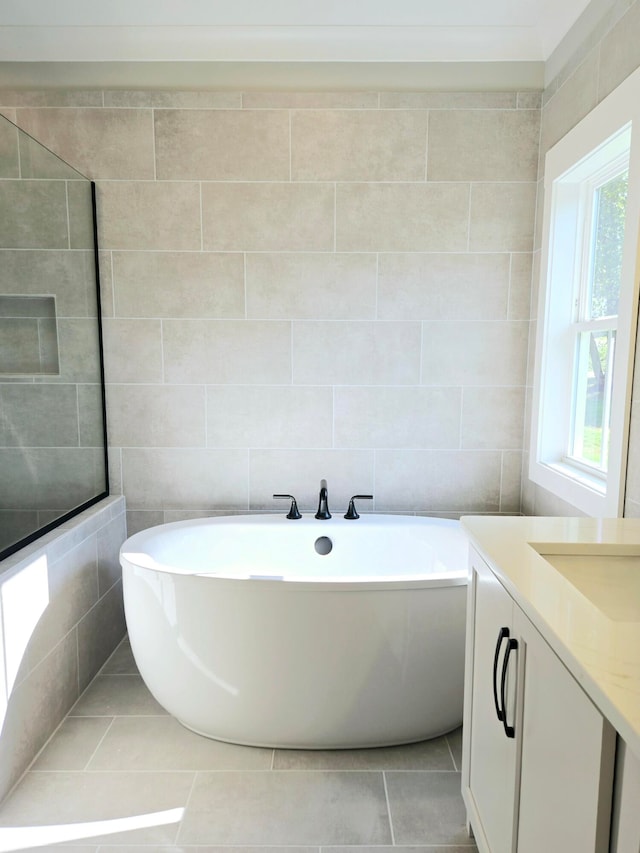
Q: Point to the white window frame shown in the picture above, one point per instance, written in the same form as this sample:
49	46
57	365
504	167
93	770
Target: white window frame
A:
590	492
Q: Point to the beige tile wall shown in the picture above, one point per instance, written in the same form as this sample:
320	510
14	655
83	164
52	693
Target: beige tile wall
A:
314	285
601	63
62	616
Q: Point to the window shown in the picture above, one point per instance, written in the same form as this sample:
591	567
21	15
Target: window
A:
588	307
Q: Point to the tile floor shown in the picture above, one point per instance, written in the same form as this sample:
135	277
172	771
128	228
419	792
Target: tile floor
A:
122	775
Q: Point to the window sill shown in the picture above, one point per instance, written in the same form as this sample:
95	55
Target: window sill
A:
590	494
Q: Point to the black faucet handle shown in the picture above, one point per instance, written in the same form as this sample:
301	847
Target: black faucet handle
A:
352	513
293	511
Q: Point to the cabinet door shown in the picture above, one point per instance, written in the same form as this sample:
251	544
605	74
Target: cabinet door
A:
567	758
491	791
625	825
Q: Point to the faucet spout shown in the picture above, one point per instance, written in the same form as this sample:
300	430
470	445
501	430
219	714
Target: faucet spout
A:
323	502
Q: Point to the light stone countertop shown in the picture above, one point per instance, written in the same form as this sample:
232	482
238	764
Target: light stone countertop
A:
584	598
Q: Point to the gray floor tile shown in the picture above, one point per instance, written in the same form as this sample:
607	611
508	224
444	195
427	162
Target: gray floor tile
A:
20	838
426	755
471	848
121	661
101	807
427	808
455	742
208	849
161	743
114	695
73	744
308	808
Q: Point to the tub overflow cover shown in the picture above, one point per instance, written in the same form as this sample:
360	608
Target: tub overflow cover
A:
323	545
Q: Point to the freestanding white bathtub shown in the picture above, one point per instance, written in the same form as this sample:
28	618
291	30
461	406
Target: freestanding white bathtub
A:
245	633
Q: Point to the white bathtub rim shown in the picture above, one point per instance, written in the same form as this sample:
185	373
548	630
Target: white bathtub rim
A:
138	559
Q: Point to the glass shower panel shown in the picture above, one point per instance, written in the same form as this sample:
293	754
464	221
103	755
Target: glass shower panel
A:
52	424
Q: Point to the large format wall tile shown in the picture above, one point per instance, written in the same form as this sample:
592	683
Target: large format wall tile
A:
471	354
351	353
35	708
397	417
222	145
69	276
619	52
298	417
445	481
268	217
149	215
38	218
100	143
394	217
483	145
575	98
358	145
185	479
67	476
227	351
132	350
502	217
38	415
435	286
492	418
72	590
156	415
99	632
9	161
178	284
311	286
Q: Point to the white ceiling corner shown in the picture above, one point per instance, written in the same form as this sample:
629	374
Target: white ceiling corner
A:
284	30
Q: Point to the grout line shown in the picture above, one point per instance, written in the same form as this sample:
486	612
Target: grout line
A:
91	757
186	806
78	424
333	416
335	217
113	285
153	144
290	147
511	281
66	193
455	766
273	759
386	796
162	351
201	220
426	147
248	479
18	152
206	416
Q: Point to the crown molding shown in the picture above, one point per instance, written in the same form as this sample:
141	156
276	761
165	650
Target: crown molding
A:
277	76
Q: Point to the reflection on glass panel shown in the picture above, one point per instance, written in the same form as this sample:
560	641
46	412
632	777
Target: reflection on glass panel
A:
610	206
52	437
592	412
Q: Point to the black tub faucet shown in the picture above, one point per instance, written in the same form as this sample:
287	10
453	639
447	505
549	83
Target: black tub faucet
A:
323	503
293	511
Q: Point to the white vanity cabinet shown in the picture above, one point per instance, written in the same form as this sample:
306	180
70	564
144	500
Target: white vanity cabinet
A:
538	756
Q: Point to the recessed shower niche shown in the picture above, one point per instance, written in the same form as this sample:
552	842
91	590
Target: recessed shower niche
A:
52	423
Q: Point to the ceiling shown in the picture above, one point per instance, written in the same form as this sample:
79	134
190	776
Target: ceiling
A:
59	33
